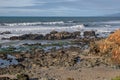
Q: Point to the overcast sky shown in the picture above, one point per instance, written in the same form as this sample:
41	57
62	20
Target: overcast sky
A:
58	7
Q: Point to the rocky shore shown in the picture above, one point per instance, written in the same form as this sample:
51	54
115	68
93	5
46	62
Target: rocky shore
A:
86	60
54	35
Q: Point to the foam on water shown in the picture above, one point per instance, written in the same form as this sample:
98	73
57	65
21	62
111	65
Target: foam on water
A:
20	30
46	27
33	23
39	28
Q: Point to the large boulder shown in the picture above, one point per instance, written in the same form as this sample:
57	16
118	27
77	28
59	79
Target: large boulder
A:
28	37
22	77
53	32
89	34
12	38
54	35
6	32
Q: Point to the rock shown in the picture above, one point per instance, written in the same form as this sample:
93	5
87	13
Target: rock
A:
53	32
36	44
54	35
6	32
28	37
22	77
12	38
19	66
76	34
20	57
47	78
4	78
70	79
89	34
3	56
62	35
39	37
57	58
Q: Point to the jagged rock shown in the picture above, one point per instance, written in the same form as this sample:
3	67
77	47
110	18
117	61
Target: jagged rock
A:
22	77
62	35
54	35
89	34
6	32
53	32
3	56
28	37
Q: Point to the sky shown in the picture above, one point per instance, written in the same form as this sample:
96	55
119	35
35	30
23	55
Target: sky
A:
59	7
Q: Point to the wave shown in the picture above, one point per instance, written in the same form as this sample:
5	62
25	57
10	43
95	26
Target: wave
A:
112	22
40	29
17	31
33	23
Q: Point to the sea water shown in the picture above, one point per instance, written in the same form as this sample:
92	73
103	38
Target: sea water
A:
43	25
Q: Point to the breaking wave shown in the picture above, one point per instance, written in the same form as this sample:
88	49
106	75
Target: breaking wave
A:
33	23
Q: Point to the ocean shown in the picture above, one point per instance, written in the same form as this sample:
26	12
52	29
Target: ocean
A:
43	25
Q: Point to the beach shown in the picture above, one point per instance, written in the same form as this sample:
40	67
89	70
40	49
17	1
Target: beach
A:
59	48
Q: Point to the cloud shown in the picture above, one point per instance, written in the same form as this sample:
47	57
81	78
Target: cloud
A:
58	7
16	3
54	1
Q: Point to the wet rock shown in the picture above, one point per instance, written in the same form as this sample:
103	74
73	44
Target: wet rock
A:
6	32
53	32
20	57
89	34
36	44
28	37
19	66
54	35
3	56
62	35
22	77
11	38
56	58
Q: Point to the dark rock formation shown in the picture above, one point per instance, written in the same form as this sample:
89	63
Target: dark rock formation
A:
89	34
54	35
22	77
59	58
28	37
6	32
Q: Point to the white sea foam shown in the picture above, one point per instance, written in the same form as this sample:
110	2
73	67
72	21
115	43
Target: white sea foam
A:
33	23
31	29
20	30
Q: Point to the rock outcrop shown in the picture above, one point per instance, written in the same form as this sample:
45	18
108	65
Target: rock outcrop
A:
89	34
54	35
